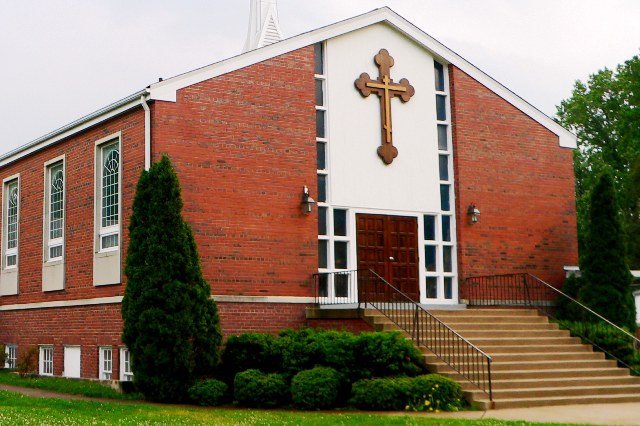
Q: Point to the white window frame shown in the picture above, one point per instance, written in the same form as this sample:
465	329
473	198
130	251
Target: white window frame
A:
105	362
45	360
50	242
126	373
11	356
13	251
113	229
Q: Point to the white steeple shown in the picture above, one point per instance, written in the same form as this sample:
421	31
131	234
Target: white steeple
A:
264	28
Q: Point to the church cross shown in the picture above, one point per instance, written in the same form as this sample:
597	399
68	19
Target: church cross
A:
386	89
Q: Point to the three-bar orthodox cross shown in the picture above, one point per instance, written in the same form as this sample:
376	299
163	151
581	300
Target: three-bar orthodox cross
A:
386	89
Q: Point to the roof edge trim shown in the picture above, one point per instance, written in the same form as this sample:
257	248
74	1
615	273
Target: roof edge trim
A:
74	127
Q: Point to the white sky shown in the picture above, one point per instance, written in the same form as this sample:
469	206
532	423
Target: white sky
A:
63	59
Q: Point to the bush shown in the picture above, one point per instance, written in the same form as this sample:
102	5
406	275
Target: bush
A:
604	337
422	393
385	354
171	324
250	351
208	392
317	389
253	388
566	309
27	362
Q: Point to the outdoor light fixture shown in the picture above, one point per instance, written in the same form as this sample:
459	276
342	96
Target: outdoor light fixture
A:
473	213
307	201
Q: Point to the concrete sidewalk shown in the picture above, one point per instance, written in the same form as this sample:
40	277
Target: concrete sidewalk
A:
592	414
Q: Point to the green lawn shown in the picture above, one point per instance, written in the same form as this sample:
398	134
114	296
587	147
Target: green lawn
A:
60	384
16	409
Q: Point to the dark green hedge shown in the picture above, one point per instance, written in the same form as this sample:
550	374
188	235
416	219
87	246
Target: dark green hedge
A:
253	388
317	389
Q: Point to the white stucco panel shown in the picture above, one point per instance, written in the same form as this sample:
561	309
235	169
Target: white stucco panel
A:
358	176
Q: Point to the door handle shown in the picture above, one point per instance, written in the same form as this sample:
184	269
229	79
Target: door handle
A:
391	258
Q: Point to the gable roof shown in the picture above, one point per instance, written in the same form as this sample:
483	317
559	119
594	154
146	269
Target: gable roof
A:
166	90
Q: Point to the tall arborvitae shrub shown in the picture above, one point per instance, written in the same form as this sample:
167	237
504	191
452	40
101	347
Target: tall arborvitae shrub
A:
171	324
607	281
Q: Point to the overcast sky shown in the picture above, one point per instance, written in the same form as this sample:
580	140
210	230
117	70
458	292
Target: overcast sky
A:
63	59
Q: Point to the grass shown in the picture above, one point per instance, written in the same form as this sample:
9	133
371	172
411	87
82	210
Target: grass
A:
71	386
18	409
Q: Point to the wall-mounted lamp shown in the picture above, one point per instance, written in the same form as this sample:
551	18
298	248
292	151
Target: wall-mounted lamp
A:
473	213
307	201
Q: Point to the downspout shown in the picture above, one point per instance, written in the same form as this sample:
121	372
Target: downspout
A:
147	132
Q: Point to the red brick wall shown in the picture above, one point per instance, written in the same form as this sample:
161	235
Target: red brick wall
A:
88	326
243	145
79	209
513	169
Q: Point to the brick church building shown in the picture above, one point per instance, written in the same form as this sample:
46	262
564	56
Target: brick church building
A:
417	165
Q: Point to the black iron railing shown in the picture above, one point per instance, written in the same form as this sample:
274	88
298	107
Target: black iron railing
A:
526	290
425	329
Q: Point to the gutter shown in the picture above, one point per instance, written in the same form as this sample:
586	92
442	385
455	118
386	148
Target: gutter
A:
147	132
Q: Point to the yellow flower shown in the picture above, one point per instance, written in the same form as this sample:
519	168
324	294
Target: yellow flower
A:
427	403
406	407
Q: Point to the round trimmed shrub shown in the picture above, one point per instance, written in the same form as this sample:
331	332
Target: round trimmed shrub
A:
253	388
209	392
430	392
316	389
249	351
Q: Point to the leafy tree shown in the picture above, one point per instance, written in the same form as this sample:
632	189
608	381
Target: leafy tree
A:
604	113
171	324
607	280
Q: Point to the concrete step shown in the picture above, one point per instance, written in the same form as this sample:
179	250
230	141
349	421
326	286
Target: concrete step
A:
525	341
462	327
539	366
484	403
567	391
528	357
474	335
484	312
603	381
551	348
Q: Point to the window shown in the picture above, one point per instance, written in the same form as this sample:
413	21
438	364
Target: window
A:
106	363
11	355
126	374
109	181
46	360
12	217
55	211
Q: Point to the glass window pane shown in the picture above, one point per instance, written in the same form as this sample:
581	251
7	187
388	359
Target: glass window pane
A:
319	93
323	285
446	228
340	254
439	74
322	188
444	167
448	288
445	204
431	290
429	227
322	221
441	111
430	258
447	259
318	56
321	155
323	246
341	285
320	123
442	137
340	223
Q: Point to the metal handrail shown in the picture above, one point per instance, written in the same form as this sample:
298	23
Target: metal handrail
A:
424	328
504	290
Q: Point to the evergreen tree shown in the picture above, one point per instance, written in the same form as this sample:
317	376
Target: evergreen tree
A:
607	280
171	324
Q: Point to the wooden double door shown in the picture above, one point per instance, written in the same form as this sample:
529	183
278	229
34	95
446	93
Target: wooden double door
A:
388	245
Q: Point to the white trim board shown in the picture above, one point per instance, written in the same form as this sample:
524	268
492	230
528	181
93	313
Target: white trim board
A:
118	299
